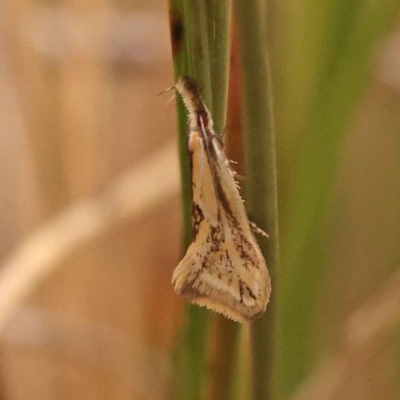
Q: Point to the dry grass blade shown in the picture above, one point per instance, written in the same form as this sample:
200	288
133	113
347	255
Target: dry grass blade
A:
133	194
363	333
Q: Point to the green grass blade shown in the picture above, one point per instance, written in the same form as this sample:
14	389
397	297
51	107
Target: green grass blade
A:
261	181
219	17
189	32
196	54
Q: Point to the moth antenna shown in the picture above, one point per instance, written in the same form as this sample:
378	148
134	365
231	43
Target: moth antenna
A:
166	90
171	98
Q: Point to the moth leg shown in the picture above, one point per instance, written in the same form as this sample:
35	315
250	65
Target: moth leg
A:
257	230
222	134
239	177
236	177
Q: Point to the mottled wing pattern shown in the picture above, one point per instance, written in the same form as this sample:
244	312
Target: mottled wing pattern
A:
223	268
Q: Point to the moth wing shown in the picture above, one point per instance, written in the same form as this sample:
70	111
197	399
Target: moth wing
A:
223	268
225	278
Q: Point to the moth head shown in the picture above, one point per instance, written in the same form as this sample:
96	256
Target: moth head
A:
199	116
188	85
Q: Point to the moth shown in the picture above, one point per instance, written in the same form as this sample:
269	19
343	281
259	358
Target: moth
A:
223	268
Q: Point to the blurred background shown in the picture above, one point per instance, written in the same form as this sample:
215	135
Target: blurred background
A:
90	220
83	135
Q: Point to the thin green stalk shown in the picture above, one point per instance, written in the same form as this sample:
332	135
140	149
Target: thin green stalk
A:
223	358
226	332
219	14
180	52
198	47
261	181
190	22
188	26
187	34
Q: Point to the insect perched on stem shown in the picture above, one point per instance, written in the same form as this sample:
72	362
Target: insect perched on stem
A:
223	268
